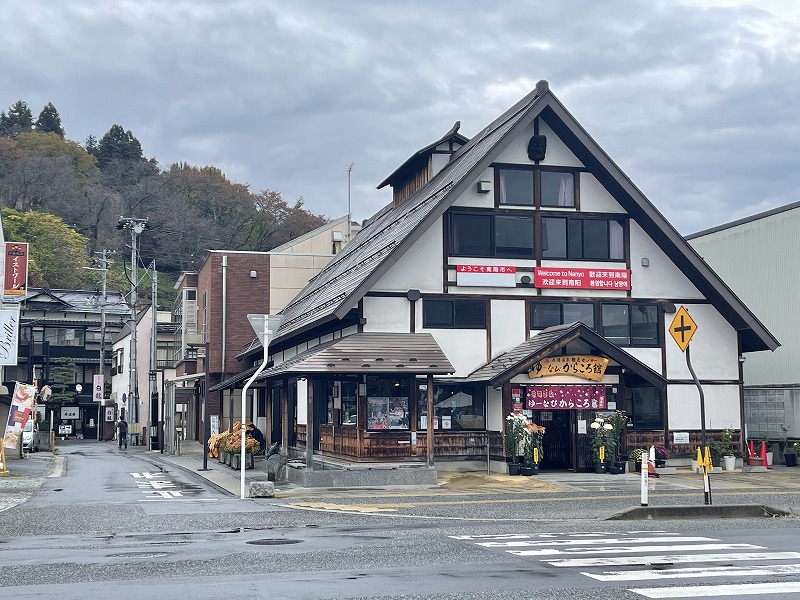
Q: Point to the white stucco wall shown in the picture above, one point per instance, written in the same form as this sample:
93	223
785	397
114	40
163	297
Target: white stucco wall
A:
721	403
557	152
595	198
649	356
466	348
662	279
387	314
713	347
417	268
508	325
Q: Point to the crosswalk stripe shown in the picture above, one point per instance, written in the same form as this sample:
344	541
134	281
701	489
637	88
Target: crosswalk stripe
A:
734	589
674	547
652	574
610	561
600	541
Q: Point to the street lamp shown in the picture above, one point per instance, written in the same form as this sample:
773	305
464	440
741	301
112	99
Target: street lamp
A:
265	327
206	426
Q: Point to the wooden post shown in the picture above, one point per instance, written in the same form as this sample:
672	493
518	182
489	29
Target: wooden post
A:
309	425
429	433
285	416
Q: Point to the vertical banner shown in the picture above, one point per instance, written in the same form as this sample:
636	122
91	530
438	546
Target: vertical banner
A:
15	282
21	408
97	388
9	335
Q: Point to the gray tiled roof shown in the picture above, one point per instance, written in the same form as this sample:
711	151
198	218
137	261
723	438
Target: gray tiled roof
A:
339	286
377	353
549	341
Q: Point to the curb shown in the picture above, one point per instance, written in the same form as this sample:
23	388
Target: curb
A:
725	511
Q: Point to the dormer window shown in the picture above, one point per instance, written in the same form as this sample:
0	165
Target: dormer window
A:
539	187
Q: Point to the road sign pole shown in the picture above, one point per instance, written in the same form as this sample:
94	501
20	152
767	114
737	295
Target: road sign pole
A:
706	481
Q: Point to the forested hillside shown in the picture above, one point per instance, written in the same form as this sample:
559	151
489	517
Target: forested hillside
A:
90	185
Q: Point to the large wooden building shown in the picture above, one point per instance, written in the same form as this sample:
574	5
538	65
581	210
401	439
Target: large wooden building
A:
505	267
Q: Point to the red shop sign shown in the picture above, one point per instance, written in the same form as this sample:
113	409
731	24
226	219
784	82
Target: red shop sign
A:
565	397
582	279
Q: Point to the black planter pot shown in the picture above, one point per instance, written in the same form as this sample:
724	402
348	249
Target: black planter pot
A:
513	468
526	470
791	459
615	470
600	468
660	463
535	468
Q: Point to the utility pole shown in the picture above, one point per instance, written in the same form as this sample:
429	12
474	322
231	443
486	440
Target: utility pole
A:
136	227
153	421
102	368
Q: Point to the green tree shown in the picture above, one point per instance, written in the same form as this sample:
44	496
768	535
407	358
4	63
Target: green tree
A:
62	380
49	121
56	252
117	145
18	120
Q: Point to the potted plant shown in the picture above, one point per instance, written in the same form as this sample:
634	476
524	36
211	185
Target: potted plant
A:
796	451
789	457
533	452
662	454
513	441
618	420
726	449
602	443
636	456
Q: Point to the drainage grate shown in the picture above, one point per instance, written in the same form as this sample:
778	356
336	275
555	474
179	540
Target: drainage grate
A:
273	542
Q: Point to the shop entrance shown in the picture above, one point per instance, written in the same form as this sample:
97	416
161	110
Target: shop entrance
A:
557	442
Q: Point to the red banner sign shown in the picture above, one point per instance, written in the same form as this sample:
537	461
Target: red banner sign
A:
16	271
582	279
565	397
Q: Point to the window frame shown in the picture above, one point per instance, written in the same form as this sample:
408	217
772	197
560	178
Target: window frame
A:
492	217
537	188
454	322
534	303
575	243
650	342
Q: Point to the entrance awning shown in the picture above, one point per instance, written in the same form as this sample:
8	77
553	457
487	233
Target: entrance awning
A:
503	368
412	353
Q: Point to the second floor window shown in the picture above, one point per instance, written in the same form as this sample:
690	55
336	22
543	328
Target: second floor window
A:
576	238
491	235
535	187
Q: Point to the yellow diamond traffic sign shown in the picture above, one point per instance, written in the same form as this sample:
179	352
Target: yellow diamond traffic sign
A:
682	328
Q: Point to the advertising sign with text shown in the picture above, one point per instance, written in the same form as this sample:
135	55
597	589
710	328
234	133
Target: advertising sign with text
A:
582	279
9	335
566	397
16	269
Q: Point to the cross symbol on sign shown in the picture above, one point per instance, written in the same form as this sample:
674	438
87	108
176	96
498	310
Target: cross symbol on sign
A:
682	328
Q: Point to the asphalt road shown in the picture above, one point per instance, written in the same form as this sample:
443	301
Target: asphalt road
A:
121	524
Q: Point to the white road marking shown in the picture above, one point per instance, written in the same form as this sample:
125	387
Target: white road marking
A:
547	551
651	574
541	536
613	561
734	589
602	541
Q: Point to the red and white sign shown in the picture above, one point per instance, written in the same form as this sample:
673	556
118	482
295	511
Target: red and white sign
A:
21	408
565	397
582	279
486	275
16	269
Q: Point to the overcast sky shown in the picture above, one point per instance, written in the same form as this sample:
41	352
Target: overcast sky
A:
697	101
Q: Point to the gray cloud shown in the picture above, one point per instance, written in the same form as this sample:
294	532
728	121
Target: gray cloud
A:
694	100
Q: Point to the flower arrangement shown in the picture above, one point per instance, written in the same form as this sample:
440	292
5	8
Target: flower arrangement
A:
636	455
796	447
662	453
534	437
726	442
602	437
513	441
231	441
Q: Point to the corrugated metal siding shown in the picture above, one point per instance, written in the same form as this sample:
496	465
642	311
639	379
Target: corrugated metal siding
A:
757	260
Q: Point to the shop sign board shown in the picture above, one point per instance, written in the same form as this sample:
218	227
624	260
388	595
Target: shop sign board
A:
16	269
566	397
584	366
582	279
70	412
486	275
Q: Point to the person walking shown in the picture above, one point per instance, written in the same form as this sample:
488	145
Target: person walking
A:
122	428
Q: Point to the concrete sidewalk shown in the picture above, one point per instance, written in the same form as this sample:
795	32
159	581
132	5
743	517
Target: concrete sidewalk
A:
479	482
